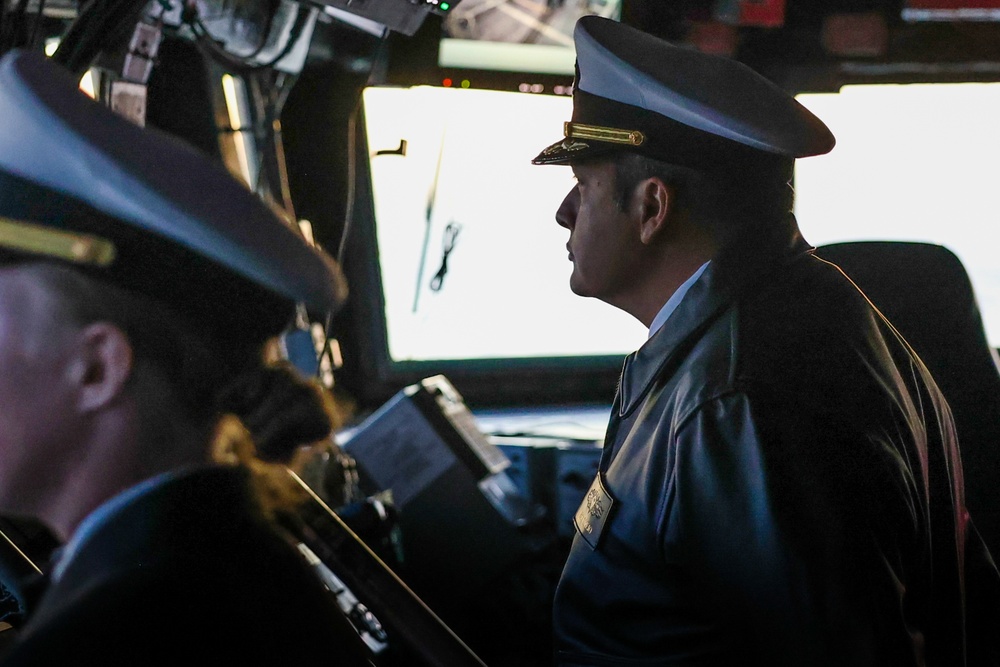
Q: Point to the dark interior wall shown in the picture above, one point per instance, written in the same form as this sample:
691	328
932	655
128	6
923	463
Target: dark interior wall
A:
317	122
314	128
179	96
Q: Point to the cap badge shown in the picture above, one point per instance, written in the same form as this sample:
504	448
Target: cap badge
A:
591	518
67	246
611	135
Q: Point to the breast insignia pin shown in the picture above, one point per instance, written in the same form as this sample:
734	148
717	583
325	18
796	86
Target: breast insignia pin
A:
592	517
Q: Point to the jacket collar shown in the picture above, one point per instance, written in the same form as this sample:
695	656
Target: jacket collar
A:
192	500
756	250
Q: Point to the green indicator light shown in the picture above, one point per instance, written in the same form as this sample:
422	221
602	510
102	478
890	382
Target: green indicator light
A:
466	83
445	6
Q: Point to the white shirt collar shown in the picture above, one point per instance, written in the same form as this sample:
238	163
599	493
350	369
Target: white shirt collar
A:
675	299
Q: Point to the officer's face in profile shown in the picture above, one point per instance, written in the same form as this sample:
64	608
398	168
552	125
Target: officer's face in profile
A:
36	408
602	239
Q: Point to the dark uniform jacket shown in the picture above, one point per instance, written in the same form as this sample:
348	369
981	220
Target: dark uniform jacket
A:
780	485
190	573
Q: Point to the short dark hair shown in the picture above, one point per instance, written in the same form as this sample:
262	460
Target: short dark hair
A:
281	408
632	168
712	200
193	364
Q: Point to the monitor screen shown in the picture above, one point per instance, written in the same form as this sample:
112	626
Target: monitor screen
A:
531	36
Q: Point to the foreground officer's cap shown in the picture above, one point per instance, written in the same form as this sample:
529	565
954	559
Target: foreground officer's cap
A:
146	211
635	92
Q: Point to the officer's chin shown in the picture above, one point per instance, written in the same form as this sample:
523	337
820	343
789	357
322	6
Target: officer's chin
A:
576	284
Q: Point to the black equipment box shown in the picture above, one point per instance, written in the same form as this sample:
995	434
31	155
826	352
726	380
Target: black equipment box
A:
463	522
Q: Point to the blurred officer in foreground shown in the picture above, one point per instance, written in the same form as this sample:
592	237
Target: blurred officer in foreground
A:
139	288
780	482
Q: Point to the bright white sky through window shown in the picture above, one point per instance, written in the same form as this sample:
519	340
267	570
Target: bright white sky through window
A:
917	162
468	163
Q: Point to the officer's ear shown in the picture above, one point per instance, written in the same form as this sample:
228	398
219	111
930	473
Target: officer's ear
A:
655	201
102	365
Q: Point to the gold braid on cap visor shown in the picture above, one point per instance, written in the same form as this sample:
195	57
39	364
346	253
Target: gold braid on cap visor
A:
598	133
40	240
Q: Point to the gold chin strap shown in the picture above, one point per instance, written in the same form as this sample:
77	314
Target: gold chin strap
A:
68	246
598	133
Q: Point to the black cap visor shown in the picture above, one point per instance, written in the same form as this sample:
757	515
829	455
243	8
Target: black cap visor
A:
40	224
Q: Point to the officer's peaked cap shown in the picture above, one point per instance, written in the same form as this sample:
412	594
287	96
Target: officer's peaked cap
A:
146	211
639	93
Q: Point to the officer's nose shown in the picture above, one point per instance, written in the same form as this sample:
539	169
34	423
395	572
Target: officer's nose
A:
566	214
